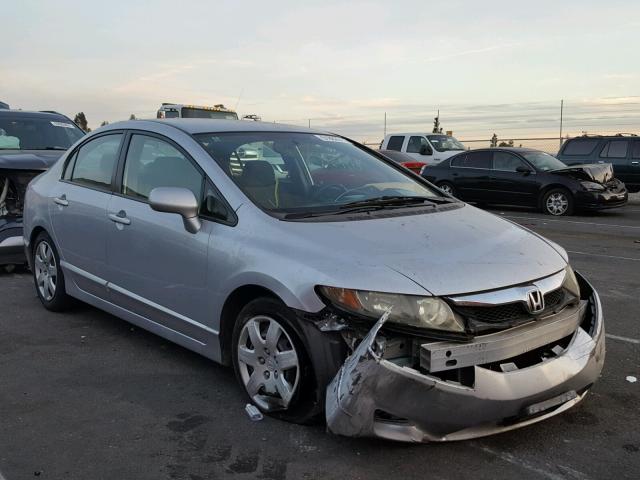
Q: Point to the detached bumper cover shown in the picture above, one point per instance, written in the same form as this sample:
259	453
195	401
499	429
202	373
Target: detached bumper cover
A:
372	396
603	200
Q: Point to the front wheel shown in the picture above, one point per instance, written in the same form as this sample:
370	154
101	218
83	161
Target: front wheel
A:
557	202
48	276
271	363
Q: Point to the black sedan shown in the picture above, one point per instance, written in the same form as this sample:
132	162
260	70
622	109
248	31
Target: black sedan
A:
527	177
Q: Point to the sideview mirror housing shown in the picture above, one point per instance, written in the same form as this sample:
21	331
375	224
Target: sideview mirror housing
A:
523	169
177	200
426	150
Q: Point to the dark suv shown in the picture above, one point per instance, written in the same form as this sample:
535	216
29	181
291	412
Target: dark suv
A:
30	142
621	150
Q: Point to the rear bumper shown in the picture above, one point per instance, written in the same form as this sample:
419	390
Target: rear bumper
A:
372	396
11	244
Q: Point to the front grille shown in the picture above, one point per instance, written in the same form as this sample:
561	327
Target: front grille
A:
510	312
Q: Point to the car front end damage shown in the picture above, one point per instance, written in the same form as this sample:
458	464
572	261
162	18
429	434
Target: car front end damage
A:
516	369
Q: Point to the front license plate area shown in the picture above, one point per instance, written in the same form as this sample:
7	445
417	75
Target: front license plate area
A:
541	407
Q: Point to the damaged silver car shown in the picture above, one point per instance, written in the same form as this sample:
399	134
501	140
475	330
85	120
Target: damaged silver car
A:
334	281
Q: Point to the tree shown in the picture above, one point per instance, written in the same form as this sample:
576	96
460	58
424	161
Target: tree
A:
436	124
81	120
494	141
104	122
132	117
506	144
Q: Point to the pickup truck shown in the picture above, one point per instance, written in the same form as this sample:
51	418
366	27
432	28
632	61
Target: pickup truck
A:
428	148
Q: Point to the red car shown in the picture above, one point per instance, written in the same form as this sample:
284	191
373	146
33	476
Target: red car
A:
404	160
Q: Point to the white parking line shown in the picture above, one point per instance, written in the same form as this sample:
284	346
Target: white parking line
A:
545	220
603	255
1	477
622	339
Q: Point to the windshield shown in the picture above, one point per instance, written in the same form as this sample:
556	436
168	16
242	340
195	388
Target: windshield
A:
302	172
188	112
37	133
445	143
543	161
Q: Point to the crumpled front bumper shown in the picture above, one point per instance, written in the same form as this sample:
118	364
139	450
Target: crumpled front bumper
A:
373	396
11	242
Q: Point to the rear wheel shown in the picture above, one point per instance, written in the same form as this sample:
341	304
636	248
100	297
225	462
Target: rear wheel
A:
557	202
271	363
48	276
447	188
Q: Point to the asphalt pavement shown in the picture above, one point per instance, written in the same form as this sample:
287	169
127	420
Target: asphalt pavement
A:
84	395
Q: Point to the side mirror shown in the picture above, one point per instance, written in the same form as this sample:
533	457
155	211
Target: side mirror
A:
426	150
177	200
523	169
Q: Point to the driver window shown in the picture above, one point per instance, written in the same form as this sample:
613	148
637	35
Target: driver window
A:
415	144
506	162
152	163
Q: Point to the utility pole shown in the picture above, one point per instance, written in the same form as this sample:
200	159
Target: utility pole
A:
385	124
561	112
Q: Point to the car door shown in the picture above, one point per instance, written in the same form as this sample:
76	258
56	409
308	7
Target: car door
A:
507	185
633	178
79	211
470	175
157	269
617	153
418	148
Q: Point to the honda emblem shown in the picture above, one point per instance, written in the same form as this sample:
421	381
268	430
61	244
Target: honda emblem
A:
535	301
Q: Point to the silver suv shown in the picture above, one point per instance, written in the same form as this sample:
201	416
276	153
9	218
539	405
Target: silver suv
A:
331	278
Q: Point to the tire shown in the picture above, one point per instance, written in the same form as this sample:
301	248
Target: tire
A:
289	392
48	276
557	202
447	187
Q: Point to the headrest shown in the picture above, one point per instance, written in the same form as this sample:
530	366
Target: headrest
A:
257	173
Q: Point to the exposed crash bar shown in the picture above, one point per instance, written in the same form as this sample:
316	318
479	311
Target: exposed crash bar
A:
439	356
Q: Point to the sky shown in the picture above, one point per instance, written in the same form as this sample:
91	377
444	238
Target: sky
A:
489	67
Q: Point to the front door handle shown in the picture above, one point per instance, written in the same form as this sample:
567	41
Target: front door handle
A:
120	217
634	163
61	200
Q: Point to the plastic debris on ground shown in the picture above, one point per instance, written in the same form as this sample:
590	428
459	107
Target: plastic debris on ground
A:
253	412
631	379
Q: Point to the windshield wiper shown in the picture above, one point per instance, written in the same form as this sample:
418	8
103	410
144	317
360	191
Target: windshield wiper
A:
46	148
391	201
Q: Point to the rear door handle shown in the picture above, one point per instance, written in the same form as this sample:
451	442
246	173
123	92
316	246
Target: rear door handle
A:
61	200
634	163
120	217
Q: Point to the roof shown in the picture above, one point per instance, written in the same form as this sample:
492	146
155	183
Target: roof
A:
26	113
206	125
510	149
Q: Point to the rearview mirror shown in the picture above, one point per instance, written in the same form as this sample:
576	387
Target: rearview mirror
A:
426	150
177	200
523	169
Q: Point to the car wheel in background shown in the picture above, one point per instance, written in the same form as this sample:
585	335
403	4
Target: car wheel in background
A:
271	363
557	202
47	274
447	187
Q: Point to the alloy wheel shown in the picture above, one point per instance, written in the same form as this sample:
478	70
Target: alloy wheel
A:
446	188
268	363
557	203
46	271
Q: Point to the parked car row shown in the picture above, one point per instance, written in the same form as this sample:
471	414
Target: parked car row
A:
284	263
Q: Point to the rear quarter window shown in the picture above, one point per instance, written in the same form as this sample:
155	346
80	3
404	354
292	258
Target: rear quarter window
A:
395	143
580	146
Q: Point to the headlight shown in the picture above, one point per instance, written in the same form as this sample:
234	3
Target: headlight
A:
412	310
571	282
592	186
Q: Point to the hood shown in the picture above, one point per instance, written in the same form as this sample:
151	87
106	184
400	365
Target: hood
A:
446	252
593	172
29	159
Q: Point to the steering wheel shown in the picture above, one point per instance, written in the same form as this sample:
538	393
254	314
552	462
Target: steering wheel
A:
338	187
363	188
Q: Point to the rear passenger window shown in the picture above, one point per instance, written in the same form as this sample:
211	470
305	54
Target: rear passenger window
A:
615	149
636	149
580	146
95	162
395	143
152	163
473	160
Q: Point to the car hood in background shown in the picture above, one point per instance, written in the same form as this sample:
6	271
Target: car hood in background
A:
447	252
592	172
29	159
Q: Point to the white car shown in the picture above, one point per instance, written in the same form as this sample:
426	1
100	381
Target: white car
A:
428	148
